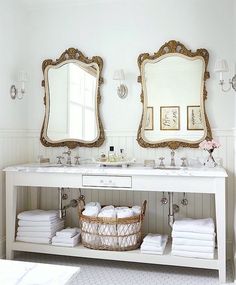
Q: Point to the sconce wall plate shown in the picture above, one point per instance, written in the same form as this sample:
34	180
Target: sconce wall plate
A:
13	92
122	91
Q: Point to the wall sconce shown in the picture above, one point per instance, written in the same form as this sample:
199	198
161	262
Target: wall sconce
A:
19	93
122	90
221	66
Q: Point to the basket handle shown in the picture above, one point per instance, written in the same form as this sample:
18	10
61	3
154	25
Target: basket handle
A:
81	203
144	207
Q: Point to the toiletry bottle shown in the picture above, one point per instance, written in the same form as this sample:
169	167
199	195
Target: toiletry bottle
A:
122	155
111	154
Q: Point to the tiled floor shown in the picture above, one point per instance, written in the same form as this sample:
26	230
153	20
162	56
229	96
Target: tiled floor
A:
100	272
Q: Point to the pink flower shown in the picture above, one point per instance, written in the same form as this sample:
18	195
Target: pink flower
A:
209	145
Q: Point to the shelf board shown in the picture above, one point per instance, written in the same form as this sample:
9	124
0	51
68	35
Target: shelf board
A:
131	256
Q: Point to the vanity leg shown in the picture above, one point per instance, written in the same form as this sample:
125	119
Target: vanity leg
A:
10	216
221	229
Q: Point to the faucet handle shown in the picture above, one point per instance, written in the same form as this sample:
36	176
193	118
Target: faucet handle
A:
184	162
161	161
77	160
59	158
67	152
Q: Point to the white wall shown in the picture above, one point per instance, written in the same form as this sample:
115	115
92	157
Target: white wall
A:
119	32
12	113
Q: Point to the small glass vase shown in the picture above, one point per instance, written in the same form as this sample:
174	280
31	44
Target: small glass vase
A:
210	161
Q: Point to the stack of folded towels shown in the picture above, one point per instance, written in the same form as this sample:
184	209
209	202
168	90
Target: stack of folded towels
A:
67	237
38	226
194	238
154	244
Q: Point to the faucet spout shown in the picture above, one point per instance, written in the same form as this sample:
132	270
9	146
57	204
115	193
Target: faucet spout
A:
172	161
68	161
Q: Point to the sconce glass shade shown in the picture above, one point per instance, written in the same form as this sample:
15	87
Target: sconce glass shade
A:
119	74
221	66
22	76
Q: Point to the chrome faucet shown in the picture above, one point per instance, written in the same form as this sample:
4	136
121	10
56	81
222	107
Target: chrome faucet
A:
172	161
68	160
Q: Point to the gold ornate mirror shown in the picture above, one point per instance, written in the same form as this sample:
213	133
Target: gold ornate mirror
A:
173	97
72	98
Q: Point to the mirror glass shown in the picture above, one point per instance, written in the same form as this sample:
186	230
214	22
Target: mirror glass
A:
72	97
173	86
72	114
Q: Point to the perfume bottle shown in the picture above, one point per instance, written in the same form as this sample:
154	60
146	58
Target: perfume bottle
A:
111	154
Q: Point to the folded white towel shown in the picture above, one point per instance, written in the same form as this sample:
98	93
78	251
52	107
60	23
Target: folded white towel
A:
190	235
34	240
55	228
36	234
107	214
154	239
38	215
193	254
107	208
156	249
205	226
136	210
91	211
67	233
63	244
52	222
195	248
73	240
198	242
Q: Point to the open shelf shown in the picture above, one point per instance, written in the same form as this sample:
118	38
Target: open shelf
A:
131	256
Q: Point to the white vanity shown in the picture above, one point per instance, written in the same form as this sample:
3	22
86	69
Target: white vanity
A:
135	178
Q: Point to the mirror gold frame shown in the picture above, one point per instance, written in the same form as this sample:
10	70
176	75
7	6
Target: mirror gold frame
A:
173	47
71	55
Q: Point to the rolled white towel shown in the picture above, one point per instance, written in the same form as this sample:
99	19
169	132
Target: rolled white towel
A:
52	222
207	249
92	205
205	226
121	208
91	211
124	213
198	242
107	208
38	215
107	214
136	210
154	239
67	233
189	235
193	254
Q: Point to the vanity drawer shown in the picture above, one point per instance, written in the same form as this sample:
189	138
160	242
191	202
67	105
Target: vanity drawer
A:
107	181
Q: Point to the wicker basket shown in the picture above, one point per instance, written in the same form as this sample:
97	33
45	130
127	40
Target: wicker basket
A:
111	233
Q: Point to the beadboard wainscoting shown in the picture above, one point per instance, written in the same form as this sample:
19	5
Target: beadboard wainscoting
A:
24	146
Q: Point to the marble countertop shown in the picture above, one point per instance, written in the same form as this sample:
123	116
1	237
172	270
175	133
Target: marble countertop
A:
135	169
27	273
